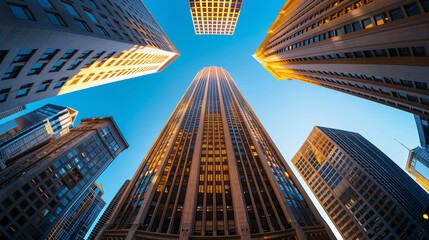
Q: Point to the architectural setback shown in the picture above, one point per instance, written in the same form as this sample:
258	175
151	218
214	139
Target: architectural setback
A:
77	221
214	173
49	48
366	195
418	166
377	50
214	17
38	189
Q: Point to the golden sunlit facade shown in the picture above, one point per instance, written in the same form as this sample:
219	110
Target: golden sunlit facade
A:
75	45
377	50
217	17
418	166
214	173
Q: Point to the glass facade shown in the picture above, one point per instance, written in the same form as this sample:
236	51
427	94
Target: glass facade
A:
366	195
213	172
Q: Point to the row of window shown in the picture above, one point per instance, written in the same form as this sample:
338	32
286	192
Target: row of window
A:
377	20
394	81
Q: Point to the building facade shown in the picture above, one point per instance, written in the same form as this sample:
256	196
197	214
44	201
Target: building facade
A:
213	17
75	224
33	130
40	188
377	50
423	130
12	111
418	166
366	195
53	47
214	173
108	212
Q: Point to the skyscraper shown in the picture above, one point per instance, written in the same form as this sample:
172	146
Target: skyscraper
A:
12	111
214	172
366	195
377	50
53	47
108	212
33	130
41	186
76	222
423	130
418	166
215	17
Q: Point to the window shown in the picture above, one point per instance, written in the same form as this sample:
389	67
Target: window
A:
86	54
331	34
59	84
358	54
102	30
404	52
425	4
419	51
69	54
3	54
421	85
349	55
25	89
412	9
21	12
393	52
3	94
71	9
98	54
45	3
425	101
396	14
89	63
12	72
37	68
117	35
367	23
380	53
74	65
381	19
91	16
57	66
24	55
49	54
338	32
56	19
44	86
348	29
356	26
83	25
107	21
93	4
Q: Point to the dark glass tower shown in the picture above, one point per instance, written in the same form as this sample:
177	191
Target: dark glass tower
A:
77	221
213	172
366	195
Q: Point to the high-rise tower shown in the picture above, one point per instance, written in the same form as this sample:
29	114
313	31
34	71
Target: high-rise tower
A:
39	189
366	195
53	47
79	218
377	50
215	17
418	166
108	212
33	130
213	172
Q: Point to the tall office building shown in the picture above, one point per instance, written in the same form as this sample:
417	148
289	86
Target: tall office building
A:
32	131
12	111
418	166
423	130
213	172
40	188
76	222
377	50
215	17
366	195
108	212
53	47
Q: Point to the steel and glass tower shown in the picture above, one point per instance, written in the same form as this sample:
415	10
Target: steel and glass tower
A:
214	172
366	195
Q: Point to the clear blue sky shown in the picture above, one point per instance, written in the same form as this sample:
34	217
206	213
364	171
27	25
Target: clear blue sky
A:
287	109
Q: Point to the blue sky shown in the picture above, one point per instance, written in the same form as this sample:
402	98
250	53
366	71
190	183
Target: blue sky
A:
287	109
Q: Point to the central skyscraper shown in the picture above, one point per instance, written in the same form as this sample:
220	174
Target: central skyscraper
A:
213	172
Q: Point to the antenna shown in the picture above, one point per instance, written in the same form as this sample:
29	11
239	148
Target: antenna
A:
402	144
